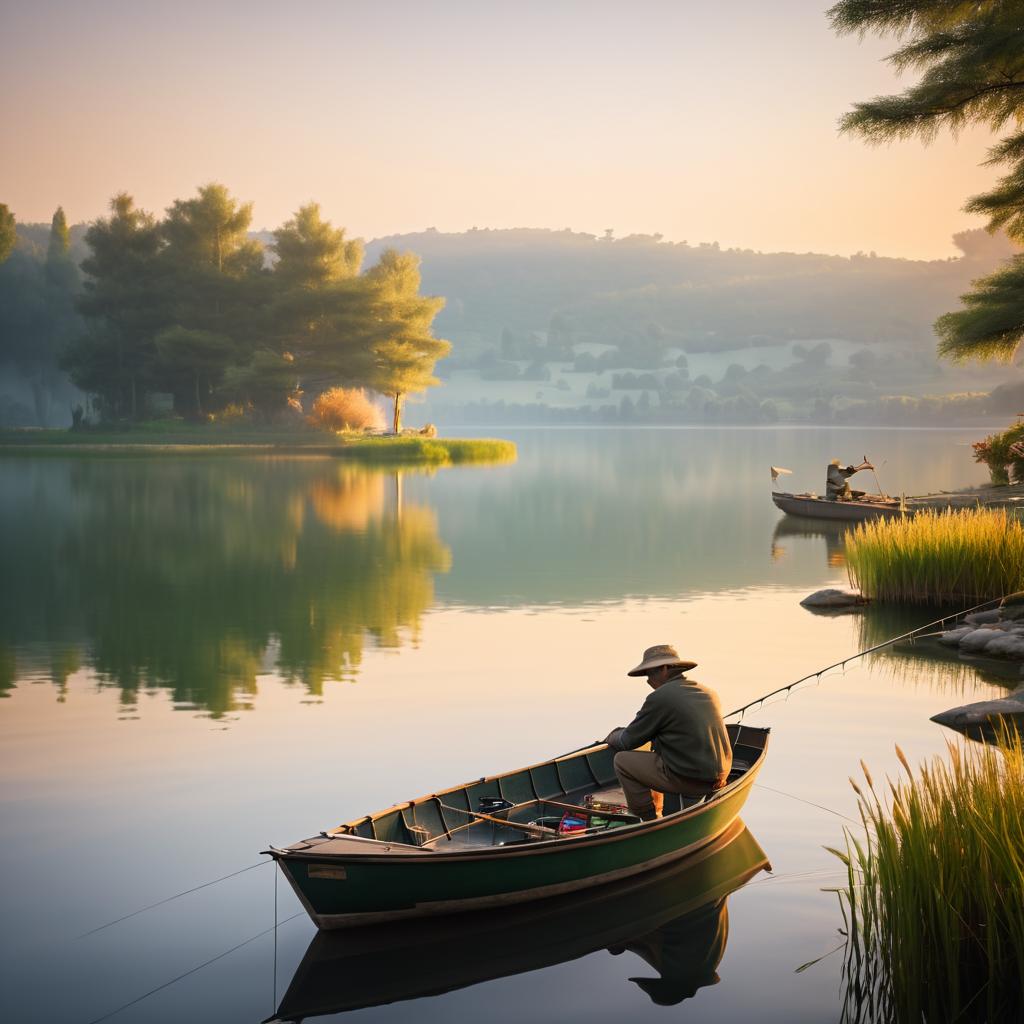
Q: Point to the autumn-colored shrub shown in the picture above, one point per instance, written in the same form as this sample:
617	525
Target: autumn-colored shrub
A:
346	409
1003	454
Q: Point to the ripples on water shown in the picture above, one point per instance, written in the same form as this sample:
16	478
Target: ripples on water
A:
202	655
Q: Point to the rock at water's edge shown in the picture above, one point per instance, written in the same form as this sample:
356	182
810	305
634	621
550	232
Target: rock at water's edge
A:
832	598
978	721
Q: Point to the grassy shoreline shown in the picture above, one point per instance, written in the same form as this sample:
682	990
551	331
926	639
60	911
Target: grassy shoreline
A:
200	440
933	904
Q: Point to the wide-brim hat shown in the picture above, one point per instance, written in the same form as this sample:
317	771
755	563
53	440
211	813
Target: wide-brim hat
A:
655	657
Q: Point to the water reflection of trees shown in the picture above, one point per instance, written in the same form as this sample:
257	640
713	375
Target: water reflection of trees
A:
199	575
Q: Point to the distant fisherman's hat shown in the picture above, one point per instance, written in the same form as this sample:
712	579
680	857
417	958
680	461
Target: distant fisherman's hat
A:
655	657
835	462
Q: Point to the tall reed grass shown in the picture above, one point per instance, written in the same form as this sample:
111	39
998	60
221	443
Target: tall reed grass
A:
934	900
938	558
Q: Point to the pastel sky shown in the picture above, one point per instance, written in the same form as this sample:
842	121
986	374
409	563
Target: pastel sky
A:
699	121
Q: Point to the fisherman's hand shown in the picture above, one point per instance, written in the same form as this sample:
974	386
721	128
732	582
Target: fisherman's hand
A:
612	739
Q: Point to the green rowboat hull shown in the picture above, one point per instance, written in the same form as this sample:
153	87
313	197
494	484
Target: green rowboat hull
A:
345	879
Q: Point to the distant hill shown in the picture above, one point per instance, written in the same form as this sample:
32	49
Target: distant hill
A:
611	290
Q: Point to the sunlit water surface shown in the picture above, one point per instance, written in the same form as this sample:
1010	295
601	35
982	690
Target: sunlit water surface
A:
205	655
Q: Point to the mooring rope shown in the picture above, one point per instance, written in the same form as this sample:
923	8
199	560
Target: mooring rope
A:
861	654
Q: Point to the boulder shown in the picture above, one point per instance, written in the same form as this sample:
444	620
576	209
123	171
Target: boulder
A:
952	637
978	640
832	598
1011	608
1008	645
982	618
980	721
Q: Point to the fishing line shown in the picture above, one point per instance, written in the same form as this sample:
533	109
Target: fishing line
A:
275	941
160	903
810	803
860	654
219	956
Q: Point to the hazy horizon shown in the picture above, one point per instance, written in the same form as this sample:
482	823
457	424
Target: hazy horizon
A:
701	125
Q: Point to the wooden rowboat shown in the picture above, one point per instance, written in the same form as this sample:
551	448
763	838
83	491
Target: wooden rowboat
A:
814	507
677	912
451	852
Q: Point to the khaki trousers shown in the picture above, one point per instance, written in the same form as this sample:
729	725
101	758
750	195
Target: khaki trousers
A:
644	778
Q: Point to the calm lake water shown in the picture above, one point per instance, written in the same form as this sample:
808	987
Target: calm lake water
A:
203	655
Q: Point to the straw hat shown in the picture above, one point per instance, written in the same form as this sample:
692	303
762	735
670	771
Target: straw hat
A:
835	462
655	657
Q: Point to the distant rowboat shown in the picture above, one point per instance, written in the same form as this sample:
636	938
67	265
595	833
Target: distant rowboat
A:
814	507
452	851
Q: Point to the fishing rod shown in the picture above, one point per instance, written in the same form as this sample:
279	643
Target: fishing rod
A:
874	473
861	654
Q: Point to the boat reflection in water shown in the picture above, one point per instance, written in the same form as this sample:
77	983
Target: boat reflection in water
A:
833	532
675	918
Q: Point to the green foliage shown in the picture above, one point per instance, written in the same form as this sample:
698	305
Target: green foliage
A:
191	363
1003	453
212	230
311	253
405	349
265	383
186	307
124	304
8	232
938	558
970	57
991	324
60	238
38	316
933	906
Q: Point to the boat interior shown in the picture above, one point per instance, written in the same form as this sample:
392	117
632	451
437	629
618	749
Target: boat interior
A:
565	798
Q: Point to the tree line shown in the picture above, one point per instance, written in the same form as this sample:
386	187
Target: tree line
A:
192	307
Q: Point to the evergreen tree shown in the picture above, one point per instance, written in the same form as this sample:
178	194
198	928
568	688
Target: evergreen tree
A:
214	273
404	348
8	232
321	309
212	230
311	253
971	62
60	238
125	304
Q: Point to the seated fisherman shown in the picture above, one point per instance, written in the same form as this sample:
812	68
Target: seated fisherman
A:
836	487
690	750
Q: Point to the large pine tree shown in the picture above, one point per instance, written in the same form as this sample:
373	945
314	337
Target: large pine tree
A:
125	305
970	58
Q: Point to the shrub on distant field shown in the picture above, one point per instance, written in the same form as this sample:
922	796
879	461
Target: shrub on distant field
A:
346	409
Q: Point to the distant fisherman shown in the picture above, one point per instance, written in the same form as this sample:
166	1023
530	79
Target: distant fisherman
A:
690	750
836	487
